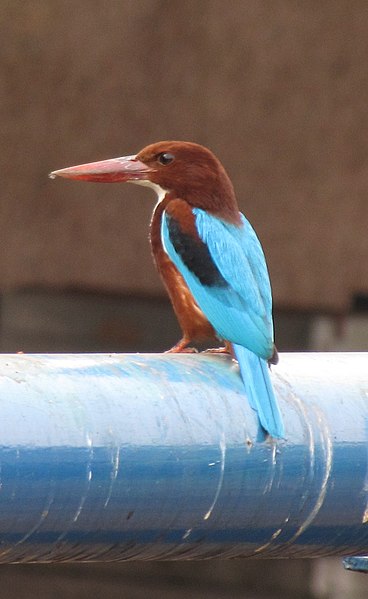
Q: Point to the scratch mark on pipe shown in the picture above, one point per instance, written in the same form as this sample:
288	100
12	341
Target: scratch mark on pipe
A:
42	518
187	533
221	477
328	451
45	512
268	486
273	537
273	454
115	461
88	477
89	474
310	442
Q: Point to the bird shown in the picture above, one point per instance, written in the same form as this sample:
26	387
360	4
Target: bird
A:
209	258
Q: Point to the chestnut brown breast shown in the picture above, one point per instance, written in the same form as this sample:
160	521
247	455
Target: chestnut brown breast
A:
192	321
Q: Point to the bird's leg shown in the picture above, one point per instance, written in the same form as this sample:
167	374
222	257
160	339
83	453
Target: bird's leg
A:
181	347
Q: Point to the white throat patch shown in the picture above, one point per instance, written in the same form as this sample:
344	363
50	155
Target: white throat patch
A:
160	191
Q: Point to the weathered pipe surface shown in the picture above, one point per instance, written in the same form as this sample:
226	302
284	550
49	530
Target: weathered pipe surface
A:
118	457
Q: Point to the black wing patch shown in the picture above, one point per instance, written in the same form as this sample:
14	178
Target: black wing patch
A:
195	255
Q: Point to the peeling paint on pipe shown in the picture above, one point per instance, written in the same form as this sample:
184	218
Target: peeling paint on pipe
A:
115	457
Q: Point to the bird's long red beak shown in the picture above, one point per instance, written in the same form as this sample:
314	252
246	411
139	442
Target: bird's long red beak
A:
126	168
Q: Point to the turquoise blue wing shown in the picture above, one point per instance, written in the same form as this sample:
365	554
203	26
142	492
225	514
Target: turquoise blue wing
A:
238	302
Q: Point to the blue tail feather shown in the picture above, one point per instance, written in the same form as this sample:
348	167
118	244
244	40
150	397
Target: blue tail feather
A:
261	396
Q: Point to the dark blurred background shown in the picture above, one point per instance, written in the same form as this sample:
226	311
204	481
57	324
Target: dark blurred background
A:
278	89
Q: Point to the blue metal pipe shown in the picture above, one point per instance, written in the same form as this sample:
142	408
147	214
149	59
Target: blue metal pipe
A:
117	457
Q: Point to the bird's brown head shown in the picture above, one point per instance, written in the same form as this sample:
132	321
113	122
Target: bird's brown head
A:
183	170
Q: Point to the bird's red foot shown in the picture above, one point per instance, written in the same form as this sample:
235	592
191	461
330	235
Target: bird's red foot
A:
182	348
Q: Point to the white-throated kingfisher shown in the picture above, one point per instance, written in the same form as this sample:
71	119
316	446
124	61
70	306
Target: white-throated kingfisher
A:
209	257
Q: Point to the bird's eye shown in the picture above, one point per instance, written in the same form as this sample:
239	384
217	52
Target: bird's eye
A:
165	158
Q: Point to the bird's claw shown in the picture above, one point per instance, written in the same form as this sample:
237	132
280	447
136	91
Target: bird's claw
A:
227	349
185	350
182	348
216	350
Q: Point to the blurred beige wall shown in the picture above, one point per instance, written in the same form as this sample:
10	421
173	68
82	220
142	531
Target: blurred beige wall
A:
278	89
